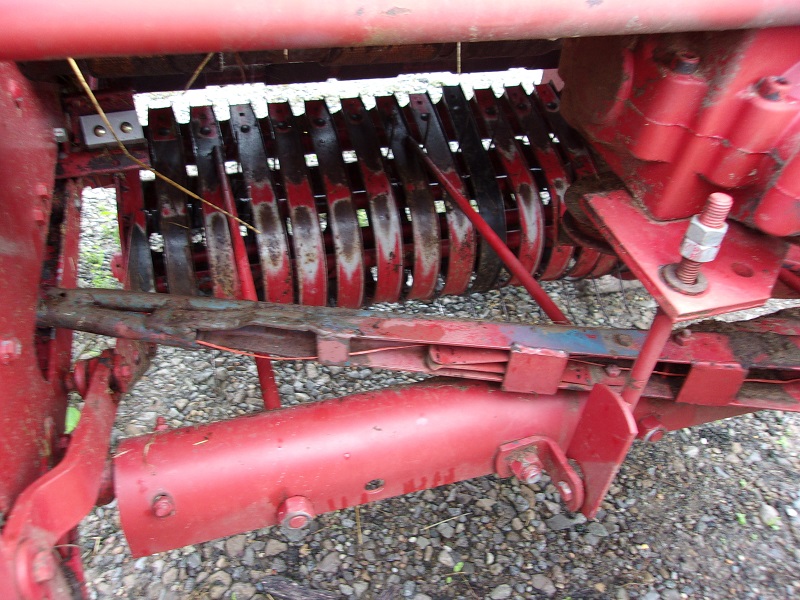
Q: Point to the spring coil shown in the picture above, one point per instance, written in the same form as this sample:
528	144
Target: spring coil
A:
344	213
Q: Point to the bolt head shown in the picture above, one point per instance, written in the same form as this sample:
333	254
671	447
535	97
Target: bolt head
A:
296	512
163	506
298	522
60	135
126	127
100	131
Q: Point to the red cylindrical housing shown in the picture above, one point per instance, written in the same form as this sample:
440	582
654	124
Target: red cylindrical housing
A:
233	476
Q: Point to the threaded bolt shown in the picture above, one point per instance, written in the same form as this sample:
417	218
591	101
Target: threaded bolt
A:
687	271
528	470
714	213
716	210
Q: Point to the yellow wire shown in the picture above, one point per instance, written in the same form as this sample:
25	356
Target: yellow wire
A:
141	164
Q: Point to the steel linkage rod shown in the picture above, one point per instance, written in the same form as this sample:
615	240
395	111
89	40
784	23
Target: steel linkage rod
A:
511	262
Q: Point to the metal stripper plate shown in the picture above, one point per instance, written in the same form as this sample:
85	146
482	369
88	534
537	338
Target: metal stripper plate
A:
484	185
205	137
418	201
342	220
139	276
166	151
273	246
580	161
461	235
309	247
384	214
526	192
534	126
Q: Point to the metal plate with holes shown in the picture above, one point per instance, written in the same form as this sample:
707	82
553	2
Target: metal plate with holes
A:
125	123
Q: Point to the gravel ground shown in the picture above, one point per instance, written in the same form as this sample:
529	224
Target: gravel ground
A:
710	512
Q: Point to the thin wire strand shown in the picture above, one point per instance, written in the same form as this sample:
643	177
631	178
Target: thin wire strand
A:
255	355
198	70
76	69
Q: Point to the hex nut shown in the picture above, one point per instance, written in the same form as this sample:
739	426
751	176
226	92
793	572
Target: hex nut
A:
697	252
704	235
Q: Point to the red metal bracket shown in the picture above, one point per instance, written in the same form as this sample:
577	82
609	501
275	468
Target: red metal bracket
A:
712	383
55	503
538	370
602	438
528	457
742	275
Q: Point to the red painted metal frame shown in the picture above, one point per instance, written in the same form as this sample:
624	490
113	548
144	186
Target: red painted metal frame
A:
57	501
679	117
31	408
742	276
34	29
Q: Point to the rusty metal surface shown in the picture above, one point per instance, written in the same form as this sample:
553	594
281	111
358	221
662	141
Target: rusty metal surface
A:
205	137
482	183
384	214
273	247
166	150
525	190
461	236
419	207
307	242
478	350
341	216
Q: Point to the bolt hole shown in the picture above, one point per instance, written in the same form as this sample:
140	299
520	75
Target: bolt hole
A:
376	485
551	106
742	270
205	130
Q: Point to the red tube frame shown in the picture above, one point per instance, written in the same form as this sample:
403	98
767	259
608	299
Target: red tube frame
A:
41	29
